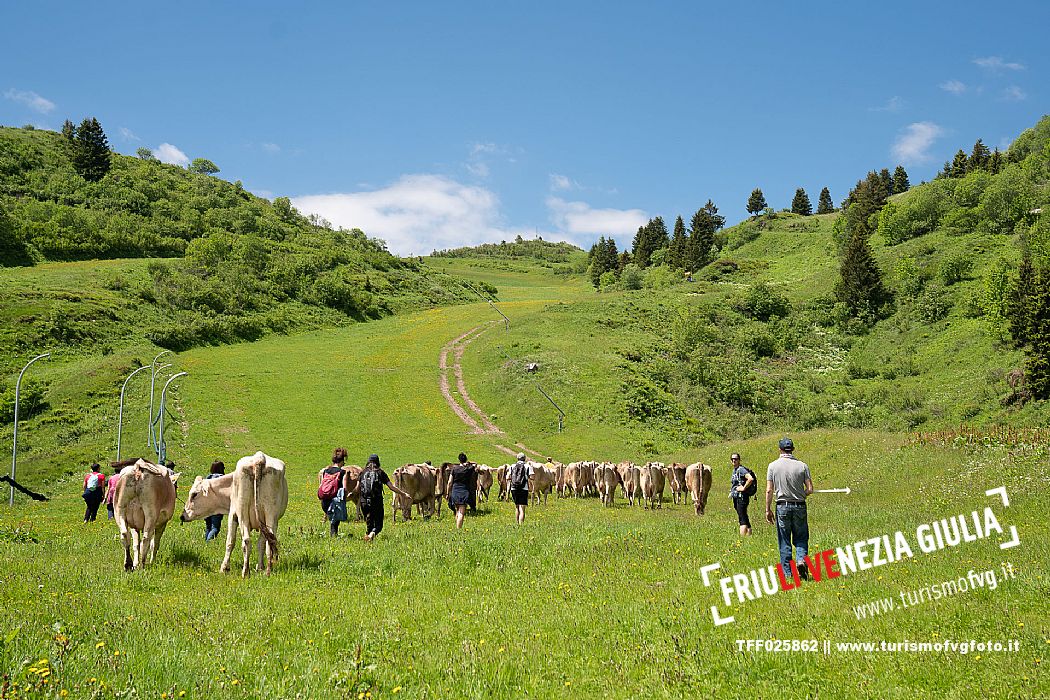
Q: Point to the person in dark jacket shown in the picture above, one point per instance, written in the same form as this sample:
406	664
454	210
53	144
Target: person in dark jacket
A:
336	469
213	523
94	492
372	480
462	487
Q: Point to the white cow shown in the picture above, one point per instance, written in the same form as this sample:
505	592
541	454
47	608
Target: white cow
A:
258	499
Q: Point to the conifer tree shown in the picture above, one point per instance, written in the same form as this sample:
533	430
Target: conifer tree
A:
824	203
995	162
800	204
678	250
623	261
979	157
860	285
1037	362
960	164
702	228
900	180
91	151
887	181
649	239
756	203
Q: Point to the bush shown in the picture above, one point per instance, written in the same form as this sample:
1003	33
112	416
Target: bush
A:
918	213
933	305
762	303
910	278
956	268
632	277
661	277
31	400
1006	201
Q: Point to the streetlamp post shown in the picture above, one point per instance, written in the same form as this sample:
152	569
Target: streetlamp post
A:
161	445
14	447
152	385
120	418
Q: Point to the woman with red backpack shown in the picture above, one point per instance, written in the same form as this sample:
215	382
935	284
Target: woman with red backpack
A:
94	492
329	481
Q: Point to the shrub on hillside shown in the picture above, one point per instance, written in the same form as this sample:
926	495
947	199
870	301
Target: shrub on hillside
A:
31	400
917	214
955	268
632	277
761	302
661	277
910	278
933	305
1006	201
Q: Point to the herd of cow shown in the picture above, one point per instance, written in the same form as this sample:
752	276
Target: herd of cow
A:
255	496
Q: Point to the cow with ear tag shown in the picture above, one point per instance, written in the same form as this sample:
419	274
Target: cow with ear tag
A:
142	506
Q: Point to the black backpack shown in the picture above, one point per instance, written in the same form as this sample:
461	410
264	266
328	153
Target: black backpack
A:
752	488
519	477
371	486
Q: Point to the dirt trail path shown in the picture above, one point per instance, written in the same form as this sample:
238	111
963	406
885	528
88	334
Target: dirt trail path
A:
468	411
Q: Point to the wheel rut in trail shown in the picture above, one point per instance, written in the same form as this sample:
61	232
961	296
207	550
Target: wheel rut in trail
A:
450	366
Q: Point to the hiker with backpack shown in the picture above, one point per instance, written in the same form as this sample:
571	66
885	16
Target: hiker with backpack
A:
111	490
462	487
329	484
518	484
372	480
94	492
743	486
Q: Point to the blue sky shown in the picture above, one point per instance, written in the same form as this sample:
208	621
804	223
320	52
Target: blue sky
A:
435	124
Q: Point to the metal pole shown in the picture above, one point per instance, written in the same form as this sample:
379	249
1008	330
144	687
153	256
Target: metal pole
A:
120	417
151	439
14	446
161	446
152	383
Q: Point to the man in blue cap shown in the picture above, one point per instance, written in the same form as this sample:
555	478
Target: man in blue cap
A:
788	478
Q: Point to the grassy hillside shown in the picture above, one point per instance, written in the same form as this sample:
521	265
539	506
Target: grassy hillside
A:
583	601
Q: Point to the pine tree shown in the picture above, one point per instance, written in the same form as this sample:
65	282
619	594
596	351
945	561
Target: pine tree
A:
623	261
649	239
960	164
756	203
879	188
887	181
801	204
702	228
596	261
91	151
610	257
979	157
860	285
900	180
69	132
995	162
1019	308
678	251
1037	362
824	203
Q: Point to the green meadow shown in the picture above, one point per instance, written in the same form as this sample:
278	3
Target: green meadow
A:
582	601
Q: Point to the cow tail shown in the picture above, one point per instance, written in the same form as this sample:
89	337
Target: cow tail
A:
271	539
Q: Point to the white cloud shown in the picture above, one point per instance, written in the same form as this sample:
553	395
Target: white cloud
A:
30	99
481	156
478	169
416	214
1014	94
956	87
579	218
913	144
128	135
996	63
560	183
166	153
894	104
271	147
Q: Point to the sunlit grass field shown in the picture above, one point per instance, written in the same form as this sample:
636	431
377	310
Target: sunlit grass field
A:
582	601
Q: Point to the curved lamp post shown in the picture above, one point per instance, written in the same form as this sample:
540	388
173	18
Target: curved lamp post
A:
14	448
151	439
120	417
152	385
161	445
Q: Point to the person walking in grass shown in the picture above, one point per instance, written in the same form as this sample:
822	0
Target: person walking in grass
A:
518	483
213	523
111	491
462	484
788	478
329	481
373	478
743	485
94	492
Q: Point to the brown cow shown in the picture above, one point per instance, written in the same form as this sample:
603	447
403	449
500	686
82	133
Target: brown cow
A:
675	474
698	481
484	481
608	478
143	504
352	487
651	484
501	479
541	482
630	476
441	474
418	481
